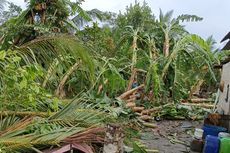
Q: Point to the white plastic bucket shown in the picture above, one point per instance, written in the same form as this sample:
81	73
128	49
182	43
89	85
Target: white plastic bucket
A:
223	135
198	134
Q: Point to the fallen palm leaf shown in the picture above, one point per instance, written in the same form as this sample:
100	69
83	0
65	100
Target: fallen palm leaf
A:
26	113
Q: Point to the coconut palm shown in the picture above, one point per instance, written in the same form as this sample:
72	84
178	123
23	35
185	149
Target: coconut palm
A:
94	15
41	18
75	123
37	37
70	55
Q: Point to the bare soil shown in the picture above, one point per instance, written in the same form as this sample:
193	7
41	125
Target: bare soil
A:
170	136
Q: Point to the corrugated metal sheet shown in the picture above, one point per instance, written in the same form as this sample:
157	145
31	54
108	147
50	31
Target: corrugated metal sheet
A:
227	46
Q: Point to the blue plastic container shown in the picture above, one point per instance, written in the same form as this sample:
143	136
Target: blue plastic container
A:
212	130
211	145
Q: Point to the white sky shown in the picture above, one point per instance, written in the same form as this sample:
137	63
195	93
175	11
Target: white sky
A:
214	12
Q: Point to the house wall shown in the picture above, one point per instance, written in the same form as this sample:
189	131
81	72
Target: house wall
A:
224	99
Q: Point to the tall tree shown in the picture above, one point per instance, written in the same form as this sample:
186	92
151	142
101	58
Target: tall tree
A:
41	18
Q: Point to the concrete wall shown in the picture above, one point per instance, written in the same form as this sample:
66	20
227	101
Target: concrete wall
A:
224	99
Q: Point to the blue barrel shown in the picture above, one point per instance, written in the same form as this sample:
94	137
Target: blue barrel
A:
212	130
211	144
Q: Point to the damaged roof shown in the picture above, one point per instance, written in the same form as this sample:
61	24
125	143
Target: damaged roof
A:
227	46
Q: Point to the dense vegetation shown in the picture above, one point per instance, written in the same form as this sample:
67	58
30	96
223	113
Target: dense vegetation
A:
60	77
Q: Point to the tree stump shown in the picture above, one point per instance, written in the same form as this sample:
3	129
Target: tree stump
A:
113	139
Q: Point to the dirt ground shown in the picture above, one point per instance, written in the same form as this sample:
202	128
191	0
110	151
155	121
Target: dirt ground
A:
170	136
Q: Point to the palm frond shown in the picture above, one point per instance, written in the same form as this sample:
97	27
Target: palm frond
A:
165	18
48	48
77	122
5	122
189	18
92	15
79	110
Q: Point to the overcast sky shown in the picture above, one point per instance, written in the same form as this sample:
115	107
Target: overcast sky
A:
214	12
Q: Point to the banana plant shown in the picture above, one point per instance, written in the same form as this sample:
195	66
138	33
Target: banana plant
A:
133	35
171	28
191	51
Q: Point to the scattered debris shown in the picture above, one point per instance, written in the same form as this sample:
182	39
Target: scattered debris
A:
150	125
210	106
113	139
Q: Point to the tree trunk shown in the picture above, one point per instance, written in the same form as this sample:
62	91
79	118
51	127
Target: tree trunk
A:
134	58
152	50
16	40
166	46
60	92
195	88
131	79
2	38
49	72
128	93
43	17
113	139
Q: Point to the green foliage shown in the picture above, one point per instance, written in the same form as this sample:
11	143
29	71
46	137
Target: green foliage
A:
110	77
78	117
18	85
187	17
8	121
136	15
139	148
137	40
95	64
40	21
66	50
99	39
189	56
152	80
94	14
